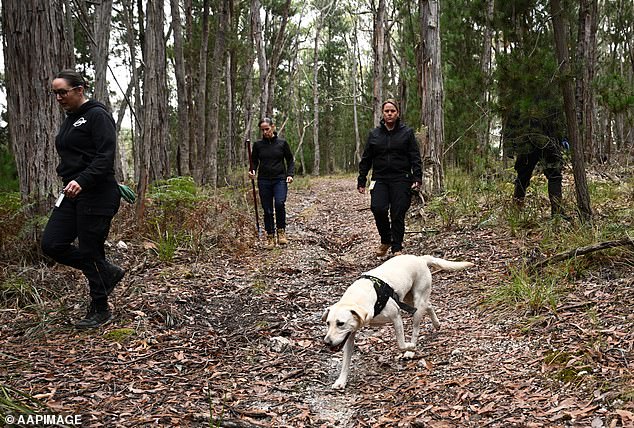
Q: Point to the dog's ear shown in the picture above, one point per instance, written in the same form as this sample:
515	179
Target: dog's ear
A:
325	314
360	315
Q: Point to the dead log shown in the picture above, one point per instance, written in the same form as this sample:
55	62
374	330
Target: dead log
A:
584	250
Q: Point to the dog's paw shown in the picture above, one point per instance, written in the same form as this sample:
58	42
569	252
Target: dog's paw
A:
408	346
409	355
339	385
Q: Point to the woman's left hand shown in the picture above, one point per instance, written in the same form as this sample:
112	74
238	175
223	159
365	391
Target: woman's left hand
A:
289	179
72	189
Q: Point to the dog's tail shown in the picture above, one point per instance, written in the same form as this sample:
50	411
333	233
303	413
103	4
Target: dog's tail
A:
446	264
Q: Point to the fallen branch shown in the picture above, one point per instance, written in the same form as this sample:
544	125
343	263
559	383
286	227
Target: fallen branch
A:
584	250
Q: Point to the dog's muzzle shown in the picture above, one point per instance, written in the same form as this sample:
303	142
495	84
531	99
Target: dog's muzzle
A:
337	348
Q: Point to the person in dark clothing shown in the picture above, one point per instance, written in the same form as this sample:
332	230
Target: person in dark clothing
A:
392	153
275	166
533	139
86	145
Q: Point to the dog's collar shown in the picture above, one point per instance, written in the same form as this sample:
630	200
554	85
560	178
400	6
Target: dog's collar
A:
383	293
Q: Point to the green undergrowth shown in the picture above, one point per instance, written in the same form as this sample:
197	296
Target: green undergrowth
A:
182	218
485	201
181	222
16	402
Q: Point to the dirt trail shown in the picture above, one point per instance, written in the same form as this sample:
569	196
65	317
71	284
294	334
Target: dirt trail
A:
476	371
238	341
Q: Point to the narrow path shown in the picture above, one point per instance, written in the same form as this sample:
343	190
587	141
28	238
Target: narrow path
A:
236	340
451	378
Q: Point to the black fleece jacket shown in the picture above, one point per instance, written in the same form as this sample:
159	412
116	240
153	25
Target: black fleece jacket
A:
393	155
272	158
86	144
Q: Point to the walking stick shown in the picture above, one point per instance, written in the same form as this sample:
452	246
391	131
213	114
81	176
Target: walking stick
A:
247	143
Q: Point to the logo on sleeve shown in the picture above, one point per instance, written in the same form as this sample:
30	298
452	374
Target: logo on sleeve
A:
79	122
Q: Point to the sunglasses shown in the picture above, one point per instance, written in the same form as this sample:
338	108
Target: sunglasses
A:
63	92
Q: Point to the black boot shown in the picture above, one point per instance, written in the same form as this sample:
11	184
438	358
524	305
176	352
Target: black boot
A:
98	314
115	275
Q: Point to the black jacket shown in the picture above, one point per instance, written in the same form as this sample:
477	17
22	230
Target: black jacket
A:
272	158
393	155
86	144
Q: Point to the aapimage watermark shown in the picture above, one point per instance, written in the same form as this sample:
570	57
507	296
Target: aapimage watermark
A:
42	420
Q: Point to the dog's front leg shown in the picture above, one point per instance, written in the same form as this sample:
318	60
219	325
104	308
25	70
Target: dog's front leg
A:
348	349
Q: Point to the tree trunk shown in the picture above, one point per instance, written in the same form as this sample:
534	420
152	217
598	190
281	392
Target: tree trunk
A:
378	47
432	98
122	170
355	95
229	81
137	109
35	49
560	29
261	50
154	161
200	101
217	65
317	156
483	135
587	58
276	53
101	49
183	103
247	101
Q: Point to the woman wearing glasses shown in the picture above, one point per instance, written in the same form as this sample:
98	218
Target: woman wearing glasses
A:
86	144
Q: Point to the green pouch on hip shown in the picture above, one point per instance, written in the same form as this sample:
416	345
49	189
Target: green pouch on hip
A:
127	194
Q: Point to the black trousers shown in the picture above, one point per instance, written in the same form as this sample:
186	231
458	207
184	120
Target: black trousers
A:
552	162
389	204
86	218
273	194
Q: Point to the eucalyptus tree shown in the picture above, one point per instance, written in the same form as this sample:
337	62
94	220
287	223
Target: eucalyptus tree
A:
613	83
335	114
560	31
432	94
154	162
184	105
36	47
586	64
210	173
323	9
95	21
378	47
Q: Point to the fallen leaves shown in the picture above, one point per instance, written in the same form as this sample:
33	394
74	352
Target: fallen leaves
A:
237	341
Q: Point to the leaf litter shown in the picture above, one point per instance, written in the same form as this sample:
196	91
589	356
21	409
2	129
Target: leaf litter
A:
236	340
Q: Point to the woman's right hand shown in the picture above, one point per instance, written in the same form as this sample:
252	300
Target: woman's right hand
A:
251	175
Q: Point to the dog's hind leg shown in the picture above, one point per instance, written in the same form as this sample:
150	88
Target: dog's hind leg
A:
348	349
400	334
432	315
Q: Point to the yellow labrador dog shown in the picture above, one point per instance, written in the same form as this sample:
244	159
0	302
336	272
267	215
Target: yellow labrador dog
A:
377	298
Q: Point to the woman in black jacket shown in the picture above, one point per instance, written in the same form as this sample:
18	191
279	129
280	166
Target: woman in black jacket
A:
86	144
392	153
275	166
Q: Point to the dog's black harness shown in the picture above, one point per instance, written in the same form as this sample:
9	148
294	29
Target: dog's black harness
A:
383	293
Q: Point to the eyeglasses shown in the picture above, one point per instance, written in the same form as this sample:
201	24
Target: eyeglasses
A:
63	92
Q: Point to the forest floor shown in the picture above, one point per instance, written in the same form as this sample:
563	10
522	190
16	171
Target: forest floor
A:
236	340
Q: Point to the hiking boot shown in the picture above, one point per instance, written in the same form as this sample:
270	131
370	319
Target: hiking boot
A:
382	250
94	318
270	241
281	237
115	276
